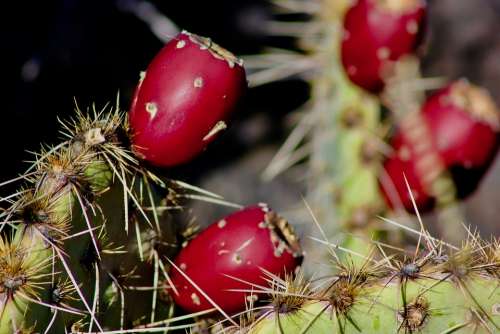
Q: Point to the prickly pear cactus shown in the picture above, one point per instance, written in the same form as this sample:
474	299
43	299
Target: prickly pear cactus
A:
438	288
64	253
85	240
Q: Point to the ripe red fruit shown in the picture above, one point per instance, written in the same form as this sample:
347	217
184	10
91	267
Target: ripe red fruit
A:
377	33
183	99
238	245
459	133
464	122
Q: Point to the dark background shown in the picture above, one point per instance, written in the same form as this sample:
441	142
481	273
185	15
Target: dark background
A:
55	51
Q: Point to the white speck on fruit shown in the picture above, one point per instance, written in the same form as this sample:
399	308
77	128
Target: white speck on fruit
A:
237	258
142	75
222	252
198	82
352	70
195	299
184	244
383	53
245	244
264	207
262	225
222	244
152	109
222	223
249	262
221	125
180	44
183	266
412	27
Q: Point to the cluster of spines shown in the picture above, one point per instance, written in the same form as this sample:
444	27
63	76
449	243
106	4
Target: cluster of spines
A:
58	239
438	288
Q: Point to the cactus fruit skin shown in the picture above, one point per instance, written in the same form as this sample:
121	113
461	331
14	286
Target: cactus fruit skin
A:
462	126
376	34
464	123
184	99
240	246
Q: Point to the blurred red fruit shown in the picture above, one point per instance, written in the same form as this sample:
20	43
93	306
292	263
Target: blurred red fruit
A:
464	123
377	33
459	133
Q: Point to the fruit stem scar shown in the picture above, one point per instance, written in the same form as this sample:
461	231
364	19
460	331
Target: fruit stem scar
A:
195	299
152	109
198	82
216	50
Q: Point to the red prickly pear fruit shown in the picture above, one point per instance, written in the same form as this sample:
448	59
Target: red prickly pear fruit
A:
378	33
184	98
457	131
464	123
240	245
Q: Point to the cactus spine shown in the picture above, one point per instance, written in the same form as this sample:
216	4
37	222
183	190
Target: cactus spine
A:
67	262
